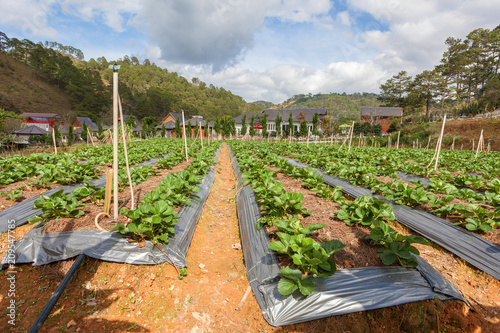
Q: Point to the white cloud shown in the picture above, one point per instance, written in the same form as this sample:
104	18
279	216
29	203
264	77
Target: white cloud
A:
109	11
29	17
281	82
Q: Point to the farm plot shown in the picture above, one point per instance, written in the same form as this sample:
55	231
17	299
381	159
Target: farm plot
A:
118	297
433	254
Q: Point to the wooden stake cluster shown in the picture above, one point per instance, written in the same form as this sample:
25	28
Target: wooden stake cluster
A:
350	138
480	144
438	147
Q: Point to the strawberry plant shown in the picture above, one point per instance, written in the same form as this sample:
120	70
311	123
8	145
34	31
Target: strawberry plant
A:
155	222
395	246
13	195
293	226
310	257
364	210
55	206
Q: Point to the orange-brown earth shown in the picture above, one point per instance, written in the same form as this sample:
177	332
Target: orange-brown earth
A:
111	297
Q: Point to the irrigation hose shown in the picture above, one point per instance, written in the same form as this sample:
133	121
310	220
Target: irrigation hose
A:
172	260
55	296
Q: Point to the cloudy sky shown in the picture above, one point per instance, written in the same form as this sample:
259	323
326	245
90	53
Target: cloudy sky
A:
259	49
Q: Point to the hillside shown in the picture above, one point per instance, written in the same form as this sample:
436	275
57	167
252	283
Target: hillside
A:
52	77
464	131
24	89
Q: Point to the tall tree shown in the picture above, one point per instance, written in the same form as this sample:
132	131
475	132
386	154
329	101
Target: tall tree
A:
290	124
71	136
278	121
425	88
244	125
251	130
178	128
263	124
394	91
315	122
163	131
303	130
196	129
83	133
189	132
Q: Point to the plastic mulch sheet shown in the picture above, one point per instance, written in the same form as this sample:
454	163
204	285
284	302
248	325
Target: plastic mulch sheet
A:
40	249
348	290
474	249
21	212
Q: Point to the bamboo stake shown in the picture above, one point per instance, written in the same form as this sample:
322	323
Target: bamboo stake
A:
397	143
126	154
54	140
428	143
479	143
438	145
453	144
389	141
107	195
308	134
90	135
184	132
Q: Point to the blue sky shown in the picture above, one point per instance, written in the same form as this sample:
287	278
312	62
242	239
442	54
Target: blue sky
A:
260	49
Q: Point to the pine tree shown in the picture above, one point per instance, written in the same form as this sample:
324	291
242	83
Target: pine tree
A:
178	128
100	134
303	130
83	134
251	131
196	129
163	131
244	125
263	123
71	136
278	124
189	132
290	124
315	124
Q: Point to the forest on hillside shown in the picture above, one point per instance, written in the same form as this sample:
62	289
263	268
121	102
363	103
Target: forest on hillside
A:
146	89
465	82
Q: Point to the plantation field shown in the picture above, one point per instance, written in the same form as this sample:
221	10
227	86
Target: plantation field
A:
315	229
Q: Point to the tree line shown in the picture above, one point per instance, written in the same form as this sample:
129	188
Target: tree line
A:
465	82
146	90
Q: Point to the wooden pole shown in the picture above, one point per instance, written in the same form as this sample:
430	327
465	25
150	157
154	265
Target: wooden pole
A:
107	195
397	143
184	132
132	204
453	144
440	141
90	135
479	143
54	140
115	144
201	135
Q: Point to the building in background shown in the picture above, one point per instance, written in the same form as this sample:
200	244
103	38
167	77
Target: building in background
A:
45	121
380	115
